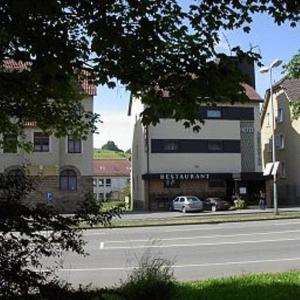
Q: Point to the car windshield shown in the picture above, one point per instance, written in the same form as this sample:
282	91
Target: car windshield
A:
192	199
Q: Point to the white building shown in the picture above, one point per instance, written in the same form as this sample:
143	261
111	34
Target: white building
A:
222	159
111	176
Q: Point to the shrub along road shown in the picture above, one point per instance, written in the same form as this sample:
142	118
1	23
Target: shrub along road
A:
197	251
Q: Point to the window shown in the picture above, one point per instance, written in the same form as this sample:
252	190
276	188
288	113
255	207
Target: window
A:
10	144
280	115
74	145
41	142
68	181
94	182
270	146
215	146
182	199
108	182
171	146
101	196
171	183
100	182
279	140
268	119
282	169
108	196
214	113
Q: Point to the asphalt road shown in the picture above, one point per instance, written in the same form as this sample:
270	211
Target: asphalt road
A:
197	251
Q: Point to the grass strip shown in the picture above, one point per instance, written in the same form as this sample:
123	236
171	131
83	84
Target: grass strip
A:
201	220
267	286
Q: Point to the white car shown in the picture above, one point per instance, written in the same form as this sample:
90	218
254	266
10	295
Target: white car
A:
187	203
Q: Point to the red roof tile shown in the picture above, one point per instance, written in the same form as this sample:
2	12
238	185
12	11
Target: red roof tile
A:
251	92
12	65
111	167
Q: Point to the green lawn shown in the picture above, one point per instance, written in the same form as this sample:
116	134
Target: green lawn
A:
108	154
277	286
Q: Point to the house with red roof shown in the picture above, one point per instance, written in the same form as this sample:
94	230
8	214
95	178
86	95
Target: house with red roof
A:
110	177
64	165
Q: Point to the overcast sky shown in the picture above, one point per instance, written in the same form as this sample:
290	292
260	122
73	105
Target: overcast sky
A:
272	41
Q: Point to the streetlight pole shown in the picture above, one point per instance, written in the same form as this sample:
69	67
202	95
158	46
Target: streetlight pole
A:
269	70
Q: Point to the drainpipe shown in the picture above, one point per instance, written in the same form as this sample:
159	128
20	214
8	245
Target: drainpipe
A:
148	165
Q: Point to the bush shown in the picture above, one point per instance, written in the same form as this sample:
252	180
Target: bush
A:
32	231
153	279
240	204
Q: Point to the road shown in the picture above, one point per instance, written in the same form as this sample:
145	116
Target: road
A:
197	251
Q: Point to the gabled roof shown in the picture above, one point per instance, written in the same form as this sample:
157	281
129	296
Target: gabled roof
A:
111	167
251	93
290	86
12	65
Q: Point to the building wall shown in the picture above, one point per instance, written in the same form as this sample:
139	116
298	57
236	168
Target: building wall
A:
138	166
47	165
117	184
248	160
288	186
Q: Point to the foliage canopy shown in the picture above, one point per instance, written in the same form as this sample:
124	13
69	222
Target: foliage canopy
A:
149	46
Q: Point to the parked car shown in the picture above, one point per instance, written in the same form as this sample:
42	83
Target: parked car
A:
215	203
187	203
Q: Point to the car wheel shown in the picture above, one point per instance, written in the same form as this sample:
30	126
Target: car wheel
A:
184	209
214	208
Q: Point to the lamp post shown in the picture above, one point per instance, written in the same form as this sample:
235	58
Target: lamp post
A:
269	69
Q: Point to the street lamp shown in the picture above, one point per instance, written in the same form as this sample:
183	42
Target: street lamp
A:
268	69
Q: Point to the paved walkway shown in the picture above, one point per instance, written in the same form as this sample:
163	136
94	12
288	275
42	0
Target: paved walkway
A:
145	215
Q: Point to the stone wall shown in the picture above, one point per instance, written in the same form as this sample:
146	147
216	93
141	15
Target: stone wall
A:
64	201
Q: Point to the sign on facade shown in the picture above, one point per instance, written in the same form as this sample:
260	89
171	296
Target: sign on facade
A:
49	196
184	176
247	129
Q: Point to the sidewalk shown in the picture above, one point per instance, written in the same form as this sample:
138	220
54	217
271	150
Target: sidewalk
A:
145	215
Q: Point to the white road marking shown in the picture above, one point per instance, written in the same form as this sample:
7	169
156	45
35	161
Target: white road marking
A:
228	263
101	245
201	244
232	225
204	237
93	233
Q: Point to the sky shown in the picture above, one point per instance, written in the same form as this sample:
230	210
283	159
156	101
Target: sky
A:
272	42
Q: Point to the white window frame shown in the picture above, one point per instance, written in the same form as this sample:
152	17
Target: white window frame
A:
67	147
280	142
50	142
279	117
282	169
106	182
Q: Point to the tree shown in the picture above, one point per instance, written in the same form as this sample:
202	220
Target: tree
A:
110	145
30	232
293	69
159	52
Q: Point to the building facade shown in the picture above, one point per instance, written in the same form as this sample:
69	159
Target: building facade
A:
287	140
111	176
222	159
63	167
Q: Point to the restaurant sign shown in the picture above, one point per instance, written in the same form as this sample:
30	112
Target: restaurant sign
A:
183	176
